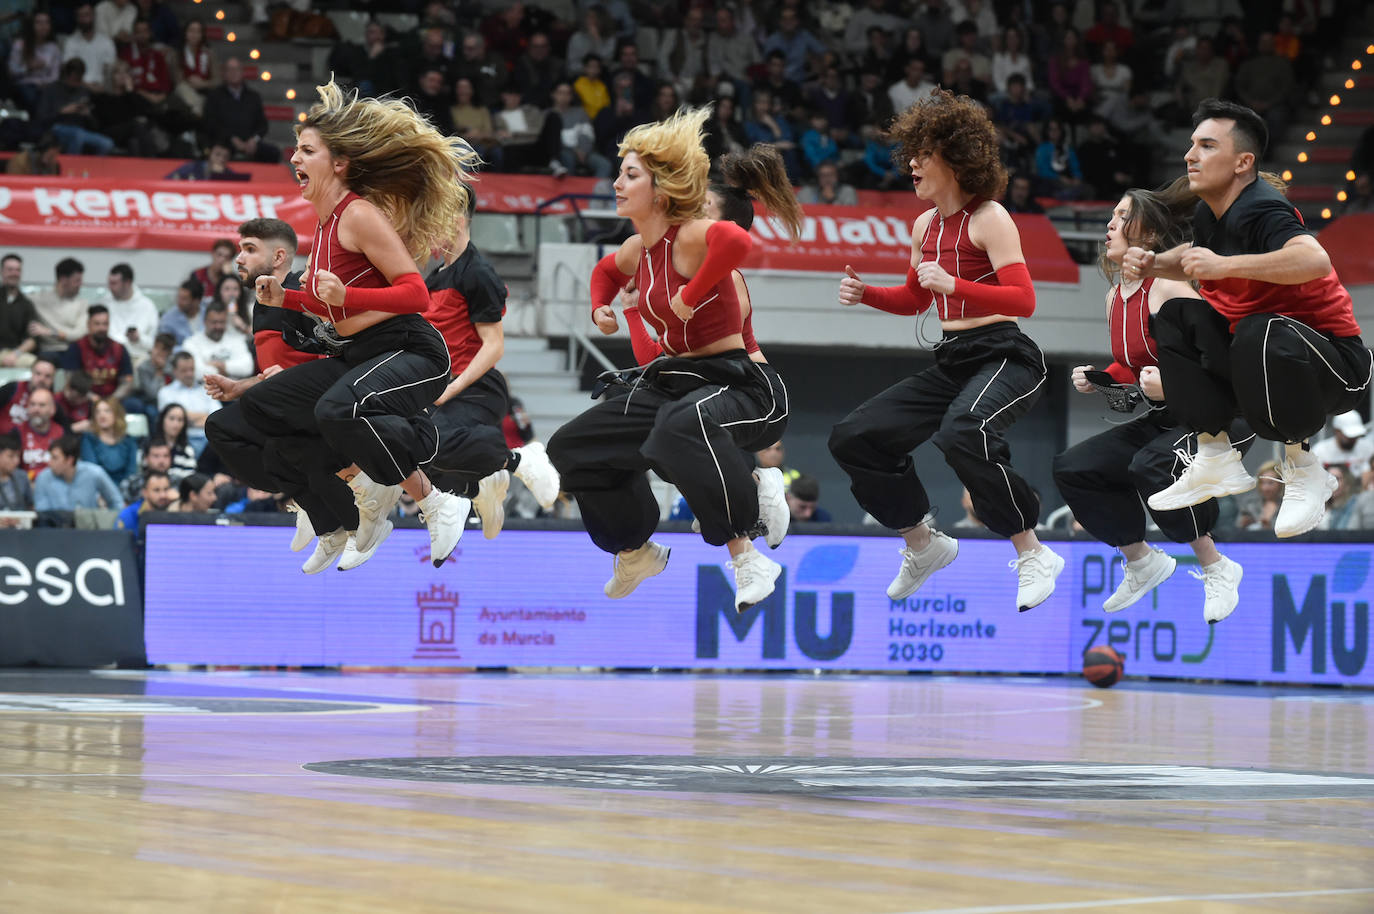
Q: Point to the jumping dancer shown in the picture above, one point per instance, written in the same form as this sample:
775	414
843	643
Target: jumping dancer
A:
966	262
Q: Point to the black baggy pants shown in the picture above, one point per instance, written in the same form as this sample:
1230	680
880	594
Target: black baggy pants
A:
983	380
471	444
689	420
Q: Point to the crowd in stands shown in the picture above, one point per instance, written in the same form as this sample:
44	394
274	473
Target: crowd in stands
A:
1081	91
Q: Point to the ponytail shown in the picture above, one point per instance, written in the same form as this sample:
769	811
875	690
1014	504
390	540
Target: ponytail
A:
760	174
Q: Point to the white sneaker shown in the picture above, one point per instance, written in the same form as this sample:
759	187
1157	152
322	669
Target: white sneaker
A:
538	474
327	551
1204	476
917	566
1307	486
1221	587
375	503
773	510
1142	576
352	558
305	531
445	515
634	566
754	577
1035	575
491	502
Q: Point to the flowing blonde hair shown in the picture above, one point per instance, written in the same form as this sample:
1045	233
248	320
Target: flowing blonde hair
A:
672	153
411	172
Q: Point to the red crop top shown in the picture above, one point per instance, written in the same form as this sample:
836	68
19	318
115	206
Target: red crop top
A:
715	316
1128	322
352	268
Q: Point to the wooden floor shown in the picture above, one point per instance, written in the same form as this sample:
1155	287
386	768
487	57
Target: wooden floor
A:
158	792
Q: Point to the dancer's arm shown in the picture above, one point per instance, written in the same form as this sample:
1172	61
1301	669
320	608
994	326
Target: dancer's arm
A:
493	339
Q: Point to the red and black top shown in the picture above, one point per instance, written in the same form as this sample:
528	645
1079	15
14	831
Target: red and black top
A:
1128	322
947	243
715	316
105	365
465	293
352	268
1259	221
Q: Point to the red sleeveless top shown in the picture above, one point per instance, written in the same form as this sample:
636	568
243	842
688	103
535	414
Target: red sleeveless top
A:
1128	321
352	268
947	243
715	317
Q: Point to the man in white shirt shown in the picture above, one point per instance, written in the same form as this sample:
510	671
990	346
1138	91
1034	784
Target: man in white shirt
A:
911	89
217	348
187	392
116	19
62	310
1348	445
133	316
95	49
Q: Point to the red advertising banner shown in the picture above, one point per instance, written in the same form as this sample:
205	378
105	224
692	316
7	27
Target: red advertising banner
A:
836	236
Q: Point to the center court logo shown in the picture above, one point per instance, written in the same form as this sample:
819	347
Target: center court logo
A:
862	777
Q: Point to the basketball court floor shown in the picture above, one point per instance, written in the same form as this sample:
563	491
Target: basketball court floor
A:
342	793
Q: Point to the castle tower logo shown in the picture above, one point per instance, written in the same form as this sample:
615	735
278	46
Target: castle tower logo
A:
438	610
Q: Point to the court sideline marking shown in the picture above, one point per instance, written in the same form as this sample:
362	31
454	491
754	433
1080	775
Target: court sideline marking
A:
1123	902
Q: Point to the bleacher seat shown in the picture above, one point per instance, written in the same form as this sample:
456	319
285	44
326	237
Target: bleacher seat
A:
351	24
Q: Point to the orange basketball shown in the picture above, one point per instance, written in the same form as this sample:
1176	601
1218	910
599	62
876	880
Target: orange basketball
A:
1102	666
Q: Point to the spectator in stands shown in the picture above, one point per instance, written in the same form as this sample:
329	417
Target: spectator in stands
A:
786	94
591	88
62	311
1341	502
133	316
432	54
1137	121
1105	164
1180	49
221	264
234	114
936	27
157	458
126	116
1019	198
1266	83
152	76
19	327
775	456
834	102
724	132
731	51
1231	43
880	171
196	494
682	54
104	359
373	66
817	143
487	72
68	482
966	48
873	15
576	135
1204	75
1056	165
1111	80
1360	198
16	492
1071	80
94	49
596	37
473	123
218	347
157	495
197	69
171	427
802	495
186	389
35	60
627	61
66	108
1109	30
537	70
801	49
39	159
913	44
529	138
151	375
622	114
980	13
913	86
827	188
39	431
74	402
14	396
431	98
1018	117
1012	59
107	444
768	125
970	519
183	319
166	28
880	55
666	101
1349	444
116	18
963	82
870	102
1256	509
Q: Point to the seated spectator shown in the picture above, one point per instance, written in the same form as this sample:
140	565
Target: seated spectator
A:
196	494
914	44
1011	60
1342	501
16	491
487	71
35	59
880	56
870	103
107	444
67	109
1104	163
616	119
880	170
962	82
157	457
183	320
1349	445
1056	165
166	28
430	97
1266	84
39	431
529	140
68	482
724	132
14	396
591	88
577	137
74	402
1071	80
787	95
1360	198
1256	509
221	264
873	15
833	101
116	18
596	38
913	86
238	301
801	49
731	50
802	494
473	123
1019	198
641	78
827	188
95	50
62	310
171	427
157	495
234	115
775	456
133	316
187	391
970	519
980	13
1203	75
106	361
666	102
42	158
817	144
151	75
197	70
682	54
214	167
966	36
1109	30
374	66
19	325
1111	80
150	376
126	116
218	348
767	124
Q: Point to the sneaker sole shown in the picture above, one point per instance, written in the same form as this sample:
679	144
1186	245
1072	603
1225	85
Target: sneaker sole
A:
745	607
1059	569
1199	495
439	561
1158	579
1240	573
912	590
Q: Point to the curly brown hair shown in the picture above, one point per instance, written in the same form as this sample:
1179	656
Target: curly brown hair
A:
958	130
